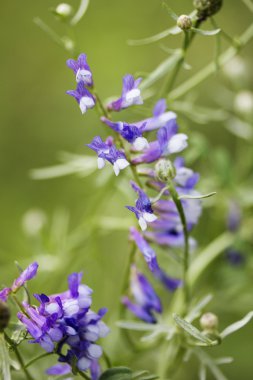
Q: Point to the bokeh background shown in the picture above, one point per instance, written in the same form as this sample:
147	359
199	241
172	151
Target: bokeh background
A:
67	223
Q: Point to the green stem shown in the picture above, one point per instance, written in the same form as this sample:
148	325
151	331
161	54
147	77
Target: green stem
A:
211	68
180	210
127	276
107	359
19	357
82	374
37	358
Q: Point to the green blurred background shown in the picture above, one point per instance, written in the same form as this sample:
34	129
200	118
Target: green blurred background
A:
38	121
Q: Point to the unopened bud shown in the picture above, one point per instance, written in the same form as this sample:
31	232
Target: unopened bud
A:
64	10
165	170
184	22
4	315
244	102
209	323
207	8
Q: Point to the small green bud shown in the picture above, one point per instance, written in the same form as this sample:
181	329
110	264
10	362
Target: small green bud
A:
165	170
209	323
184	22
207	8
4	315
64	10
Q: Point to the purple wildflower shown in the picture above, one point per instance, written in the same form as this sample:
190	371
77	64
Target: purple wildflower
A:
83	97
235	257
107	151
147	301
168	142
81	69
129	132
130	94
160	117
143	209
151	260
65	320
28	274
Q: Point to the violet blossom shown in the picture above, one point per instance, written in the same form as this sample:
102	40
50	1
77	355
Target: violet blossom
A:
83	97
107	151
131	94
81	69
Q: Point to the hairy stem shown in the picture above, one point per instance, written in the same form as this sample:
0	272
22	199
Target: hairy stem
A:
32	361
180	210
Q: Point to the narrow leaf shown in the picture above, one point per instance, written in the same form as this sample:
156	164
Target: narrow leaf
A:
157	37
206	32
237	325
185	196
137	326
162	69
4	360
192	330
80	12
197	309
117	373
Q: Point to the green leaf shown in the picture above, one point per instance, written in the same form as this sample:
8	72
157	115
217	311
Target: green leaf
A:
80	12
157	37
144	375
237	325
117	373
206	32
193	331
166	66
185	196
5	361
72	164
137	326
196	311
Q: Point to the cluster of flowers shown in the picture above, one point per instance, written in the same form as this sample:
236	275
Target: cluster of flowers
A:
64	324
162	217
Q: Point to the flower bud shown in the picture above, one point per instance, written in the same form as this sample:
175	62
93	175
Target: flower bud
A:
184	22
165	170
209	323
63	10
4	315
207	8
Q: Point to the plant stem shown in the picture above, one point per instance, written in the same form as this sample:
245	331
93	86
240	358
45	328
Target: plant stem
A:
19	357
211	68
37	358
180	210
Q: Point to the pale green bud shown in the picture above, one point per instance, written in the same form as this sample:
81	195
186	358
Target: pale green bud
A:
184	22
209	322
165	170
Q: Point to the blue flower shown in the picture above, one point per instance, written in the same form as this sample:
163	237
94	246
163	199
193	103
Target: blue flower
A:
81	69
147	301
151	260
28	274
83	97
168	142
65	324
160	117
142	210
129	132
130	94
107	151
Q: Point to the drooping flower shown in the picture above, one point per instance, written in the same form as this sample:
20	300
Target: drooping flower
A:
81	69
65	320
160	117
168	142
83	97
107	151
143	209
129	132
131	94
151	260
28	274
146	300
